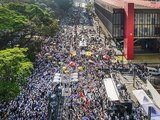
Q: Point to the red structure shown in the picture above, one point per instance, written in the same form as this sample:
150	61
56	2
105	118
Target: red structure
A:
129	31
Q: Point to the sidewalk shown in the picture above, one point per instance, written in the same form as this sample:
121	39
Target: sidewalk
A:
149	58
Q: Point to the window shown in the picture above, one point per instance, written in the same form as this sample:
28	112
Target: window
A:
157	30
153	20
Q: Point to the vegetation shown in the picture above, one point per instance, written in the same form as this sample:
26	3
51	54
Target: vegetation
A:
10	20
21	23
89	8
64	4
37	17
8	90
15	67
26	23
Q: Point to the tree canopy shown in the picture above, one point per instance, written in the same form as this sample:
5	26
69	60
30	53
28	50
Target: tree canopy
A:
21	20
89	7
64	4
28	10
22	24
15	16
10	20
15	67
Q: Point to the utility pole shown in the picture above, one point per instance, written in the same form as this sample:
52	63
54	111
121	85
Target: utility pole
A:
149	112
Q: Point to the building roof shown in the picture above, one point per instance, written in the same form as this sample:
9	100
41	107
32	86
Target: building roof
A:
146	4
112	3
139	4
105	5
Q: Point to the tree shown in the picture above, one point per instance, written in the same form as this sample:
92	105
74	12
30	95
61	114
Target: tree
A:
15	67
51	29
33	24
64	4
89	7
10	20
36	15
27	25
28	10
8	90
17	1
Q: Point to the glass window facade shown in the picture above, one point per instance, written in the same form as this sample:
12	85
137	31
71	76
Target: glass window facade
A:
105	16
118	24
147	23
113	20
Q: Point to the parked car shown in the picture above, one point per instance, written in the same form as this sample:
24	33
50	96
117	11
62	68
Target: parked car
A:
153	71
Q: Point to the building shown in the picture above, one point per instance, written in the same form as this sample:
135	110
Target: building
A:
153	0
136	24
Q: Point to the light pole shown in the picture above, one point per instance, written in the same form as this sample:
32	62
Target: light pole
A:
122	58
134	77
99	30
105	38
149	112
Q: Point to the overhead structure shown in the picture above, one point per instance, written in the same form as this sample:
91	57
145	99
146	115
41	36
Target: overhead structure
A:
60	78
147	104
111	89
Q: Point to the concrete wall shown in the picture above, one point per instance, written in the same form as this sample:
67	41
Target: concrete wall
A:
154	93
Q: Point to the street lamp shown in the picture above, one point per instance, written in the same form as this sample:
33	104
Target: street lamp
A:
122	57
134	77
149	112
99	30
105	38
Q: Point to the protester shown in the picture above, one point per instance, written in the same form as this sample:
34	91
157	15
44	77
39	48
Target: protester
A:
88	99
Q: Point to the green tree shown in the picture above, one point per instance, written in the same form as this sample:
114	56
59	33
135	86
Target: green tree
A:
17	1
37	16
15	67
51	29
8	90
89	7
64	4
27	25
28	10
34	21
10	20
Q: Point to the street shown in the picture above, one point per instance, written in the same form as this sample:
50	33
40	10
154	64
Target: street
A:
68	82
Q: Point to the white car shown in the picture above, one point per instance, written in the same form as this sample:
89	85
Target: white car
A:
153	71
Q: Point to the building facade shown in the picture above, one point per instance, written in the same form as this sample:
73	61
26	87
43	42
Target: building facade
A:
130	22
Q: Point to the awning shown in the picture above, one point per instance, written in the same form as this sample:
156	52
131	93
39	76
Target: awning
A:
155	113
142	97
111	89
146	102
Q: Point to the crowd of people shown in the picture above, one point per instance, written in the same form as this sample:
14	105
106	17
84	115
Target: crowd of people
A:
88	99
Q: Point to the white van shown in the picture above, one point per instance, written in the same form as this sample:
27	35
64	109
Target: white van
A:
153	71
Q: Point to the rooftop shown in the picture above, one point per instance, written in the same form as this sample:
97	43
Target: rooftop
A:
139	4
